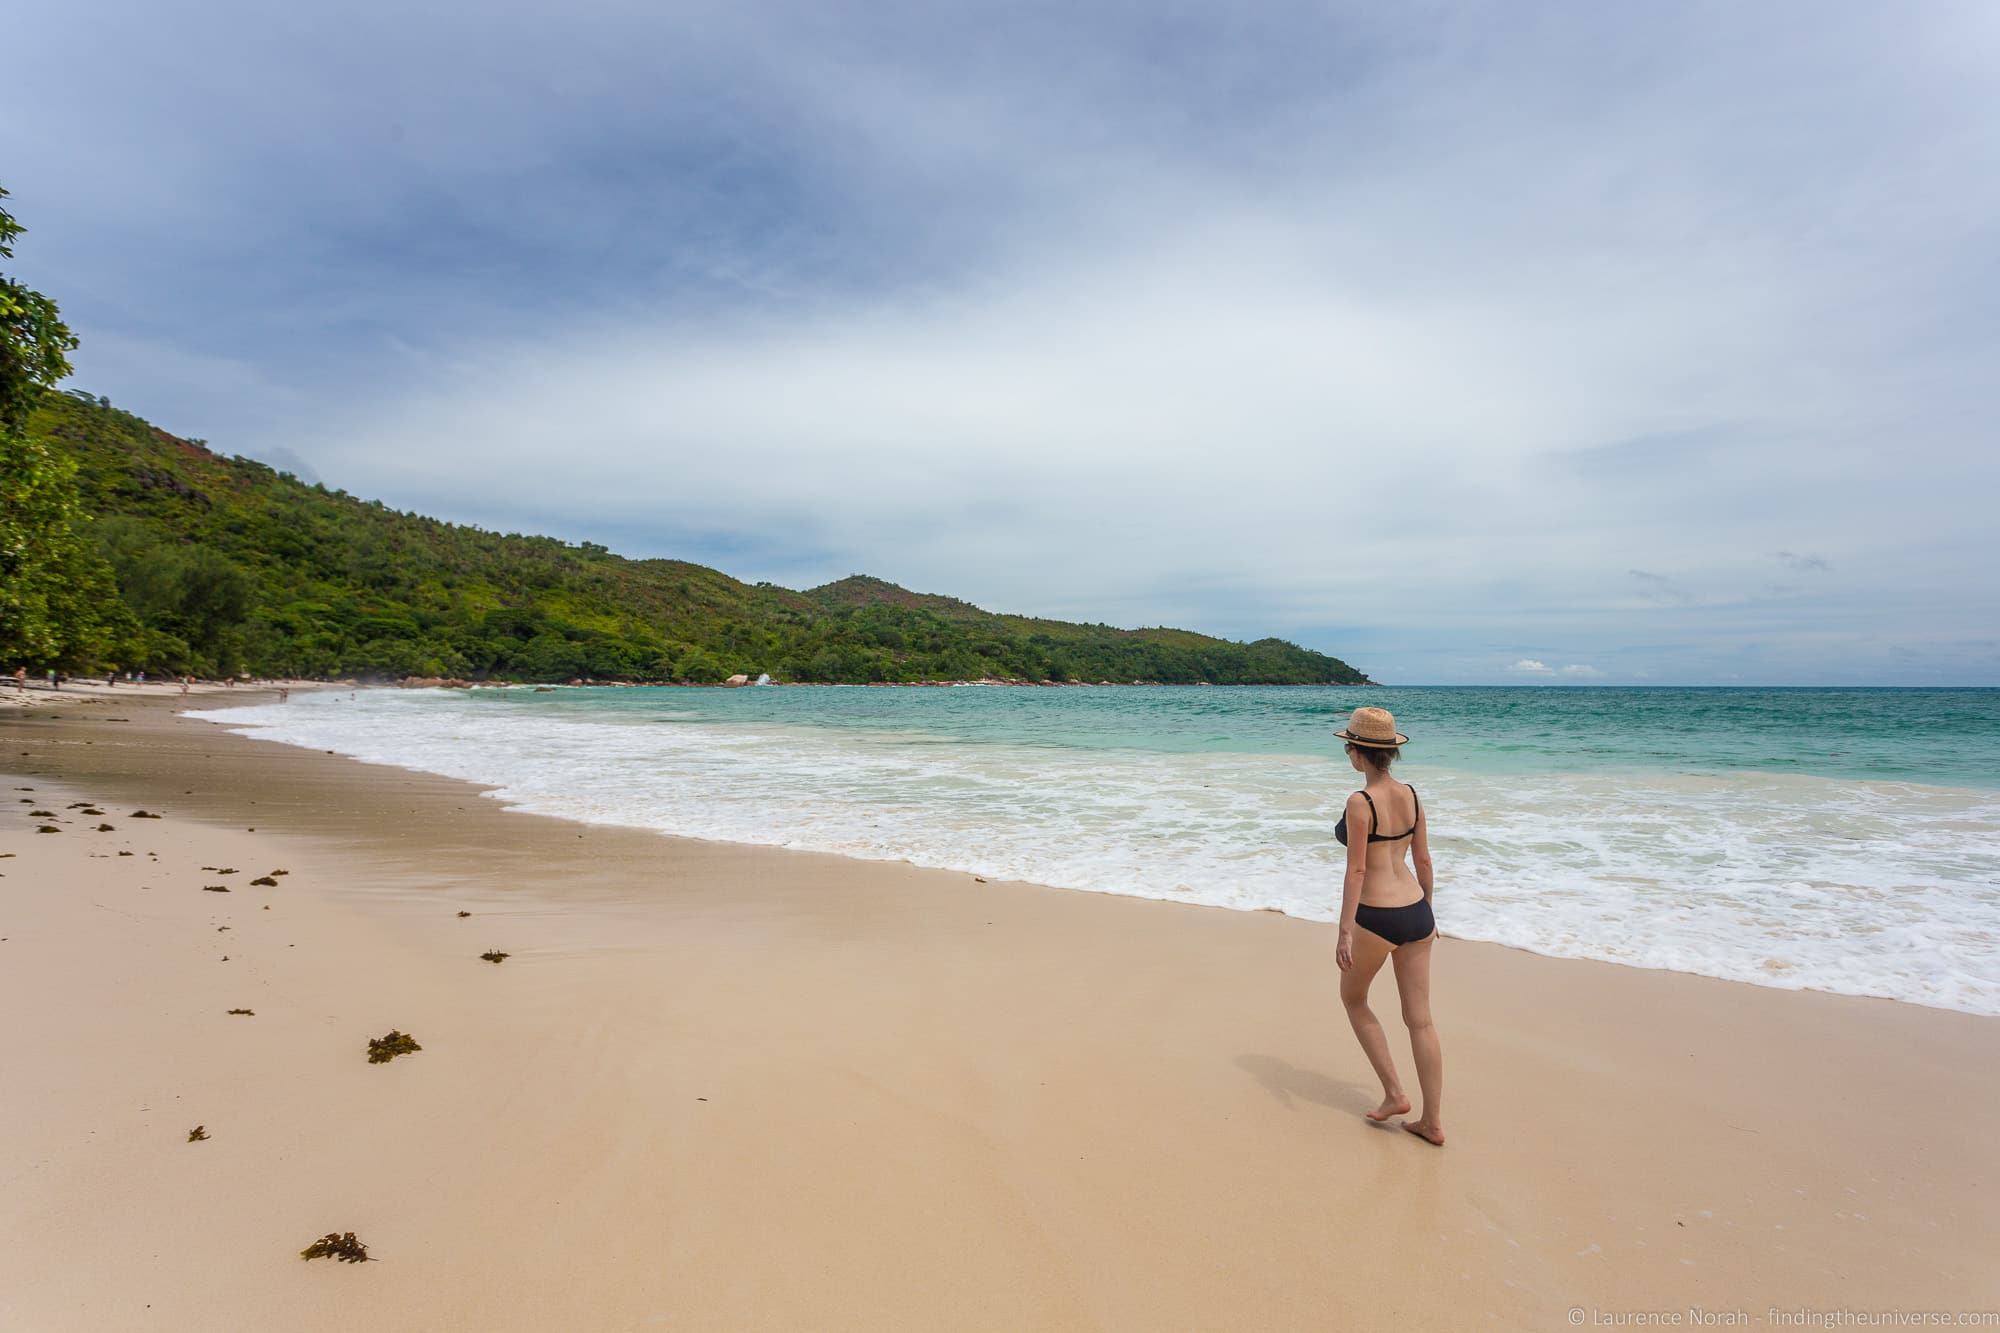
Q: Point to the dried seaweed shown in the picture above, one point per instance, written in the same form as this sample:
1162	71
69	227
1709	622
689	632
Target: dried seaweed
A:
48	828
495	956
339	1245
197	1134
41	814
381	1050
264	882
106	828
251	1012
465	914
215	888
144	814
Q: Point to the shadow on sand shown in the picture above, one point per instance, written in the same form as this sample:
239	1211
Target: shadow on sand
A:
1288	1083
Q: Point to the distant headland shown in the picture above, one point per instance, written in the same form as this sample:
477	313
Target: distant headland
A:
212	565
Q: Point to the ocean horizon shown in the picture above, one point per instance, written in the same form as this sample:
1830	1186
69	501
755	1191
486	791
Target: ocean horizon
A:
1844	839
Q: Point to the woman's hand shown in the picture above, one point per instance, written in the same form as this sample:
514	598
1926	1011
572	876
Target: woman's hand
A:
1343	952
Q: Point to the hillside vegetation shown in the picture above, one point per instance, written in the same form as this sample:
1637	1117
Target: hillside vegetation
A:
224	564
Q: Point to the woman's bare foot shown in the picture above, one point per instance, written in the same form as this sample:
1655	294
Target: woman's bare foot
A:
1431	1134
1397	1105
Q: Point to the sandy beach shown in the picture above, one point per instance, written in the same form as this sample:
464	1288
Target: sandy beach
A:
722	1087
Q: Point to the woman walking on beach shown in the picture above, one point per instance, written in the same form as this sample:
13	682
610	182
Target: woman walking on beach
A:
1385	913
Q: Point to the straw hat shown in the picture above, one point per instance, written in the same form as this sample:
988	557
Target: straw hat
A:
1373	727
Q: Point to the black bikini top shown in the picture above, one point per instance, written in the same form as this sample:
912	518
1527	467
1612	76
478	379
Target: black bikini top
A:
1375	820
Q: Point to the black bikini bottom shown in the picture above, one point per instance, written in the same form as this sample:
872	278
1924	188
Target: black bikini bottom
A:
1398	925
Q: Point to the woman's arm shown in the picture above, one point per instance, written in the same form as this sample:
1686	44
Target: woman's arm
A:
1360	823
1420	850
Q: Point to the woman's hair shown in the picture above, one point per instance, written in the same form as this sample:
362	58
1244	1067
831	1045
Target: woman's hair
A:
1379	757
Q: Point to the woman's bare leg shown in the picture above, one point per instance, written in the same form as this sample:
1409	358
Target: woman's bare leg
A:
1370	951
1413	983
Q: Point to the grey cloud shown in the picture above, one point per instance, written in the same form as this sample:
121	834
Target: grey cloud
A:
1659	588
1400	327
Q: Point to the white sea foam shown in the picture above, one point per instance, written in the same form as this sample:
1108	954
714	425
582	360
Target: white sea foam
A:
1865	888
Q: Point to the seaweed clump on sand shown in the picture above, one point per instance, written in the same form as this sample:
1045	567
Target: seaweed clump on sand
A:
381	1050
197	1134
41	814
106	828
339	1245
495	956
215	888
144	814
251	1012
48	828
465	914
263	882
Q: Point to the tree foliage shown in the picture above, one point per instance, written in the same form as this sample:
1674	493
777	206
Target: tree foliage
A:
226	564
57	605
34	342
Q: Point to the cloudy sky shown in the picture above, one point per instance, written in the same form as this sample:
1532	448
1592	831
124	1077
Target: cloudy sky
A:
1541	342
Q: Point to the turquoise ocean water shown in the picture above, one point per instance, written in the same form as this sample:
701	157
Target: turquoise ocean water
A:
1844	840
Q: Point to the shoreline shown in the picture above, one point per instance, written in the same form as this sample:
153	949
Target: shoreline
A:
717	1085
579	683
954	856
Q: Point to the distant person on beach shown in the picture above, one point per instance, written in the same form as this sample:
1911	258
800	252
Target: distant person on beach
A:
1385	913
21	679
185	682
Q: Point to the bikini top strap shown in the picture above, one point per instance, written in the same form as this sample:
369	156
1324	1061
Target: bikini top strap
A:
1416	806
1374	819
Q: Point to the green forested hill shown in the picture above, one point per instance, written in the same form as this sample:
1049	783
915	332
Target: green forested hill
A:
226	564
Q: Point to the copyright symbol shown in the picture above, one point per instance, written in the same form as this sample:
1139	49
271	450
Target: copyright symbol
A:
1576	1316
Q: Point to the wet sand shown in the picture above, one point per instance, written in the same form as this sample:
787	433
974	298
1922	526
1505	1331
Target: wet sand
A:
721	1087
